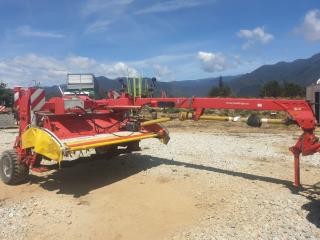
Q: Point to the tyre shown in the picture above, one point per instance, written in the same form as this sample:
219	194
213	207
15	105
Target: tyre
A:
254	121
11	170
133	146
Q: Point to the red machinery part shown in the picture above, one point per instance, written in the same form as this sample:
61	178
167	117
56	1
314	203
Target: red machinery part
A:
78	123
71	116
299	110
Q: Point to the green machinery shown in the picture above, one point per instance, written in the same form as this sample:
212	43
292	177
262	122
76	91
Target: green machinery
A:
139	87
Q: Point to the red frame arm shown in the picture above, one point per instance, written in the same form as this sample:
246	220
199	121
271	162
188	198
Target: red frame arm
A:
299	110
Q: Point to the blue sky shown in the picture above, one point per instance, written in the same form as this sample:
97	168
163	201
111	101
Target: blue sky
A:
171	39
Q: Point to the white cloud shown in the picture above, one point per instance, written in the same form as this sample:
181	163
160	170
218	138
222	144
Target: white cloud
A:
22	70
98	26
162	59
27	31
172	5
104	13
213	62
310	28
255	35
82	62
118	69
162	72
104	6
158	65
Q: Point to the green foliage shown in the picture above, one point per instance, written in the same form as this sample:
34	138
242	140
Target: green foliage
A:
271	89
172	110
293	90
286	89
221	90
6	95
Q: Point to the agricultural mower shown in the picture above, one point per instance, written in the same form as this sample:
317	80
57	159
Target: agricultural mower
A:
61	126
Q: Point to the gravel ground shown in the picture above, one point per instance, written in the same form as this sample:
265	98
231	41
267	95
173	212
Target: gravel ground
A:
7	121
256	196
226	184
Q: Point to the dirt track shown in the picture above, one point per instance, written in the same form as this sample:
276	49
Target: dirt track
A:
217	181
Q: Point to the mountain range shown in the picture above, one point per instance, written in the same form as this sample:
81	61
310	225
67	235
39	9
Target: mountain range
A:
301	71
186	88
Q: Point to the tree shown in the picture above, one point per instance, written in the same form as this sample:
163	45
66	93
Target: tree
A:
293	90
6	95
271	89
221	90
286	89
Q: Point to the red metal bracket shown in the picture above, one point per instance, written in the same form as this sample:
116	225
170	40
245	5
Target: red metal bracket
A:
307	144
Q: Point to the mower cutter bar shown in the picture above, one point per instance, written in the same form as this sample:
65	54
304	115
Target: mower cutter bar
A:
46	143
110	139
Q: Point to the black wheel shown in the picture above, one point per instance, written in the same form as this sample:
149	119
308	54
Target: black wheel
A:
133	146
11	170
254	121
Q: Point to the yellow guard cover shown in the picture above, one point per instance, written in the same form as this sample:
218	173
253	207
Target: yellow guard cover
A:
42	142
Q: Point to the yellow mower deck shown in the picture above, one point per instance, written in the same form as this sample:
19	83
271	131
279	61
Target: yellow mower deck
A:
47	144
101	140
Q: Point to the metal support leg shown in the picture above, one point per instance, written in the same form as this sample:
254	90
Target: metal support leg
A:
297	170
